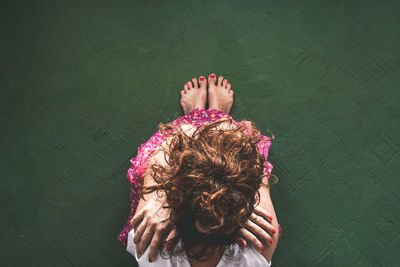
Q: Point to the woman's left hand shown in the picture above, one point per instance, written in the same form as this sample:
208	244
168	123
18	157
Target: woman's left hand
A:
151	225
258	229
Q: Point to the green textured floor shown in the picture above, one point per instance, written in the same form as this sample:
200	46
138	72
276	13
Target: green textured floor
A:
84	83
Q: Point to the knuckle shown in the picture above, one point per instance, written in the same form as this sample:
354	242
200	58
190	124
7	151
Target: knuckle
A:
159	228
146	235
260	232
265	226
141	227
153	247
266	239
253	239
135	218
138	233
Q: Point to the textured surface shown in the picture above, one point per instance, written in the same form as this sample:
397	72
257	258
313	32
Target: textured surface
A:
84	83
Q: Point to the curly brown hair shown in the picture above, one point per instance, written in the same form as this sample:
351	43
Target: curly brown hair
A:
211	183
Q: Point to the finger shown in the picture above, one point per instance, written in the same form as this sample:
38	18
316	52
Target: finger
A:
241	241
139	231
155	243
263	212
260	221
146	238
258	231
172	234
250	238
137	219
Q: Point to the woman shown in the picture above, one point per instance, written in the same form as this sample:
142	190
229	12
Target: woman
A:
204	185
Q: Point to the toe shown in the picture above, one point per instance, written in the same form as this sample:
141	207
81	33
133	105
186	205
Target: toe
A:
186	88
182	92
195	85
190	85
224	83
211	79
203	82
228	86
220	79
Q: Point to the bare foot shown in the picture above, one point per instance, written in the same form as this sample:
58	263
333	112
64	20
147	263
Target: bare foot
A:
220	96
194	95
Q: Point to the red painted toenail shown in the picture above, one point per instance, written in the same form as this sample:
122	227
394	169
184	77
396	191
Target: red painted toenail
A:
202	78
212	76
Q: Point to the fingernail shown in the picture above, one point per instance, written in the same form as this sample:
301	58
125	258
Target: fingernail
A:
270	218
150	259
243	243
273	231
167	247
262	249
202	78
212	76
270	241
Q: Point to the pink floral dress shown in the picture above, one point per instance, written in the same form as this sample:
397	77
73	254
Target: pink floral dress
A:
139	163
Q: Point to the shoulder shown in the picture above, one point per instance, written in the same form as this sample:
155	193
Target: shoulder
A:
255	258
243	257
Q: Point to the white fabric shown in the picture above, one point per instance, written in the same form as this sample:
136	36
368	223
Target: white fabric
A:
250	258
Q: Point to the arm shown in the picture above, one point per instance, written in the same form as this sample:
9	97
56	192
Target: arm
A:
266	203
259	229
151	221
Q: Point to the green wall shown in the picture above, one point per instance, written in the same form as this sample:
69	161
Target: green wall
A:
84	83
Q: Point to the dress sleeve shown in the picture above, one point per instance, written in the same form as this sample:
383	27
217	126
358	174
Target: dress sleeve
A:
262	146
135	174
123	235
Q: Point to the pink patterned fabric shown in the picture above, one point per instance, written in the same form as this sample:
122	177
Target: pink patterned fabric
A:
139	163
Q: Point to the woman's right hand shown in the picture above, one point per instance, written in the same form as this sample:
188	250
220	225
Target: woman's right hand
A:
258	230
152	224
